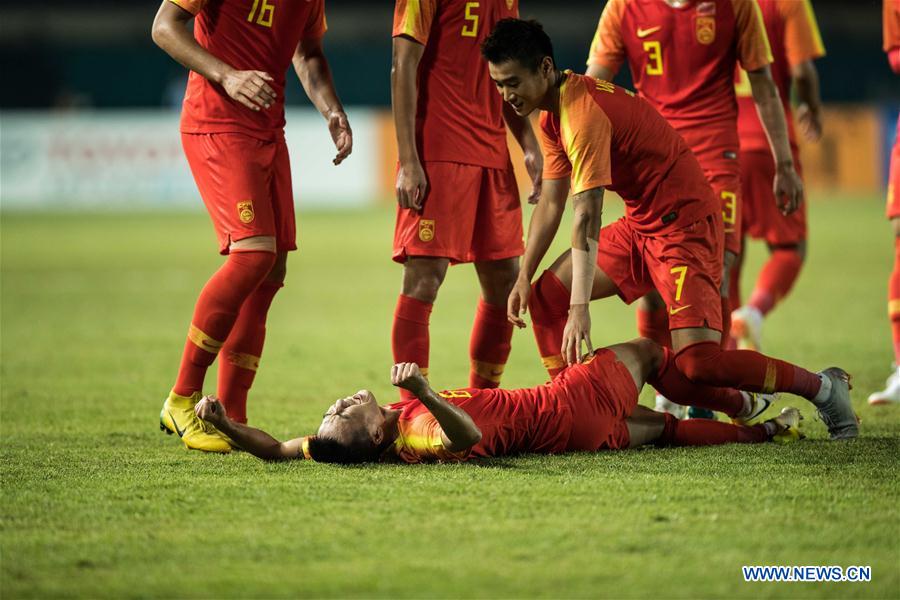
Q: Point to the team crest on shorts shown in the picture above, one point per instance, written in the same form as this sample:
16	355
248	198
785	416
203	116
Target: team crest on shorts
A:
509	4
245	211
426	230
706	30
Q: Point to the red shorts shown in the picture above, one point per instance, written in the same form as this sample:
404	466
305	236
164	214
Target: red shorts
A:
601	395
762	219
684	266
893	193
245	184
471	214
716	149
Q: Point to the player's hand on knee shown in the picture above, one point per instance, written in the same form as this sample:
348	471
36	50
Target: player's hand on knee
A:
411	185
408	376
211	410
788	189
517	303
250	88
577	331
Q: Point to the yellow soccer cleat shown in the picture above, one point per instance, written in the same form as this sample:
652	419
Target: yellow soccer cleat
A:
177	416
788	426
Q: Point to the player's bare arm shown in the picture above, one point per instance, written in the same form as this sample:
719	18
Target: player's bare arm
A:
459	431
255	441
788	187
543	227
805	78
521	129
586	224
598	71
411	182
170	33
314	74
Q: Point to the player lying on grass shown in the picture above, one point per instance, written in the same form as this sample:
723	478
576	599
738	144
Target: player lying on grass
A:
591	406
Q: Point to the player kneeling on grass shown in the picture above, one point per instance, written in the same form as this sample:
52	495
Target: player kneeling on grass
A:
590	406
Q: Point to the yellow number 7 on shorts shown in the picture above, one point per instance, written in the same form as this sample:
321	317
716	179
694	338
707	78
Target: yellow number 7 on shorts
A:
680	273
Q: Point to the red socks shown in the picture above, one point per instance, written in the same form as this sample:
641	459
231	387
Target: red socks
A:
654	324
409	335
776	279
894	300
704	432
215	313
707	363
549	306
672	384
242	351
489	345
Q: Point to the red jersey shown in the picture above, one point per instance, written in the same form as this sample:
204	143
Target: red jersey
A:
606	137
459	114
682	59
511	421
794	37
259	35
890	23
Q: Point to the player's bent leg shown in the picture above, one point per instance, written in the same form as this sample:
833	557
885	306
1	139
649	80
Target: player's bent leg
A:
490	342
549	308
642	357
702	432
422	278
243	348
700	358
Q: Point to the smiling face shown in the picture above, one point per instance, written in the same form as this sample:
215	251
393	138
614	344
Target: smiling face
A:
524	89
356	419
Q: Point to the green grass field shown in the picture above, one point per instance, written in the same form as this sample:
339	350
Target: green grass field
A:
96	502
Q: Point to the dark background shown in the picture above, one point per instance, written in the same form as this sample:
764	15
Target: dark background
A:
98	53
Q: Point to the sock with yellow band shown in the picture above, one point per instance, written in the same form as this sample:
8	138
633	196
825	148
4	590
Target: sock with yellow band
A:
215	313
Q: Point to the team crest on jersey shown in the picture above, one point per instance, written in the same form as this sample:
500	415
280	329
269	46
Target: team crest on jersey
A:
706	8
245	211
510	4
706	30
426	230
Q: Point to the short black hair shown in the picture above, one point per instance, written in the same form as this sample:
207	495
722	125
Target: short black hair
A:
362	450
518	40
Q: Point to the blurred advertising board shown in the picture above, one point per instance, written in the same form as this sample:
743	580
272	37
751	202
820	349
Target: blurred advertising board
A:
133	160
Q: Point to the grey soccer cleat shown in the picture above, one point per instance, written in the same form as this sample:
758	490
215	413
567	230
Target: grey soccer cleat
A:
837	411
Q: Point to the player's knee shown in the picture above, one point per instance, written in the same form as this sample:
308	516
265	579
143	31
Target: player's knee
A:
699	363
498	281
423	278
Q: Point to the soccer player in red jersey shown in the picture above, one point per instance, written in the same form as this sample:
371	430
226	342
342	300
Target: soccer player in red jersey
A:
794	37
682	55
891	28
597	136
232	130
458	201
592	406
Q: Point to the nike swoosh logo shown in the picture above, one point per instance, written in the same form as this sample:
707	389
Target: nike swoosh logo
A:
175	424
675	311
642	33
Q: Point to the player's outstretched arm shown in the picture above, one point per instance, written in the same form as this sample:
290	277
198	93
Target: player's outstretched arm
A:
170	33
543	227
805	78
314	74
586	226
521	129
411	182
788	187
459	431
255	441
